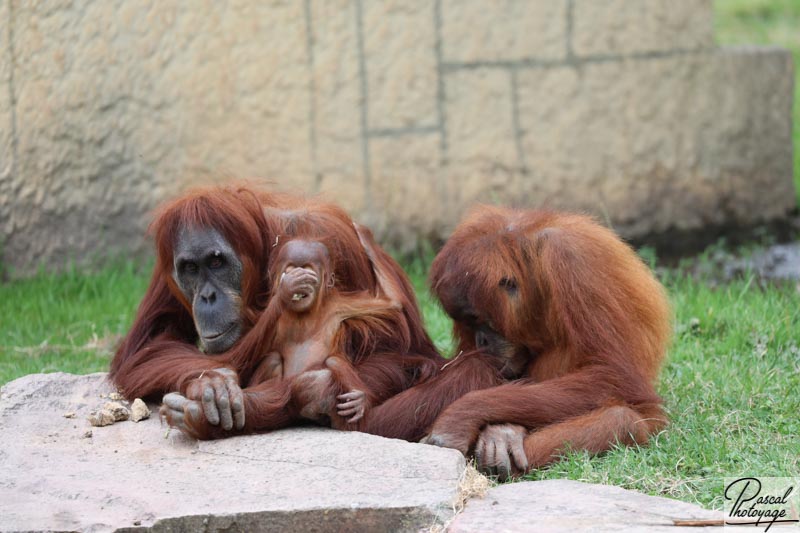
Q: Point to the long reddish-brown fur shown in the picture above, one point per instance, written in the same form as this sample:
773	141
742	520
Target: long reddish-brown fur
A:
160	349
377	349
410	414
353	273
592	320
160	354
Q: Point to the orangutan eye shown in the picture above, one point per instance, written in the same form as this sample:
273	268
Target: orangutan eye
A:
216	261
509	284
189	267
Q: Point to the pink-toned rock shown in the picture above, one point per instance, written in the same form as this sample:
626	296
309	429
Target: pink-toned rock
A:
60	474
564	505
128	475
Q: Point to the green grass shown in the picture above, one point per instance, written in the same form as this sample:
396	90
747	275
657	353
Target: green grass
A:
730	384
66	322
775	22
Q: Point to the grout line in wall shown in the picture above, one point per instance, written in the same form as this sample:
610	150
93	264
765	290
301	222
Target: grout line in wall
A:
364	103
402	132
528	63
440	88
641	56
569	29
12	96
312	98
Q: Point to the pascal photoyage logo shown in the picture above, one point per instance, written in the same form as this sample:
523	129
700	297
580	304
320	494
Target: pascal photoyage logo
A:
762	502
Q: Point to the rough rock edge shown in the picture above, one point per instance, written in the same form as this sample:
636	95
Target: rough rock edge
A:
471	484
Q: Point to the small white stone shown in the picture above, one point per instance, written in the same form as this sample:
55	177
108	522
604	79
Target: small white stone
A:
139	410
117	410
103	418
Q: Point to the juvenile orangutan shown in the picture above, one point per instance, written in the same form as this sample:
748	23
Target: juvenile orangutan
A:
308	313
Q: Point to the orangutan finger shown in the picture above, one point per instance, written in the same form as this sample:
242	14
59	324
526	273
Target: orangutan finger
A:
175	401
502	463
223	406
480	452
355	418
518	453
237	407
209	405
349	405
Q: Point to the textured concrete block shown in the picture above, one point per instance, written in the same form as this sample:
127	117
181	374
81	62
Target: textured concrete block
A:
476	30
6	128
131	475
610	27
243	90
337	103
413	201
674	143
485	160
399	40
481	145
121	104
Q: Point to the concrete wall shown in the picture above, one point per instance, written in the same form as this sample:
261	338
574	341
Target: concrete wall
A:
405	112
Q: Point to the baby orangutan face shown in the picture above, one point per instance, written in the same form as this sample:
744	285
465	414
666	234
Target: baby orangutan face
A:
303	265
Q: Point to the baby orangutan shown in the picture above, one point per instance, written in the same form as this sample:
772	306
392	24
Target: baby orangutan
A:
310	313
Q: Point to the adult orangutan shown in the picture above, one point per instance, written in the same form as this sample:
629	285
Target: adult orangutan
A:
310	324
562	299
207	288
211	284
560	310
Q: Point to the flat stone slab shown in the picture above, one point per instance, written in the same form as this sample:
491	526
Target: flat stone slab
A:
563	505
139	476
135	475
